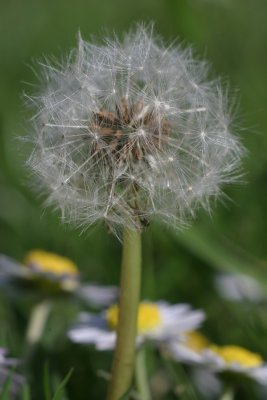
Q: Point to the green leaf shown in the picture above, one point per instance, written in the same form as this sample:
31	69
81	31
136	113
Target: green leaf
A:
221	254
4	395
180	379
26	395
60	390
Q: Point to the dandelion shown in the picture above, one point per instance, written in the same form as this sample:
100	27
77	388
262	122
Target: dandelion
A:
126	131
156	322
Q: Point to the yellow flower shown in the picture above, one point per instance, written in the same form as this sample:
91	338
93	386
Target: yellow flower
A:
52	268
148	317
50	274
157	322
196	341
231	354
50	263
238	355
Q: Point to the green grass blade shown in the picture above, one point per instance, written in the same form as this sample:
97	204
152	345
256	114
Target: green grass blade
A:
4	395
26	395
219	253
59	392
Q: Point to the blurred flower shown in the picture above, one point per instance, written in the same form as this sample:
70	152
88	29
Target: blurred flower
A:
191	350
128	130
157	321
196	350
52	267
6	366
97	295
206	382
238	287
52	273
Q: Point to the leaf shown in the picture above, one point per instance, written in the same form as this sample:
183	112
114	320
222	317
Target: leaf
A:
26	395
4	395
180	379
59	392
221	254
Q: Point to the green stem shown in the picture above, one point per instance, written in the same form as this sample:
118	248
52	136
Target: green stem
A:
141	375
228	394
37	322
123	361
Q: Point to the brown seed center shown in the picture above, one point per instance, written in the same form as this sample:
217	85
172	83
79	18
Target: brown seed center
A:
132	131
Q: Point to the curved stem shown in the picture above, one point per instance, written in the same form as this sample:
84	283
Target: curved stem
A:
141	375
124	356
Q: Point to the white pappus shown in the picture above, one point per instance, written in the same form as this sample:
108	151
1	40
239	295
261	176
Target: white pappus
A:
128	130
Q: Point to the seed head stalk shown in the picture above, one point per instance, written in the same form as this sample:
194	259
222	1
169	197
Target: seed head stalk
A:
124	356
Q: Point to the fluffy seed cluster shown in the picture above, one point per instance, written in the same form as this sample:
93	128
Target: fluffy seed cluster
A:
127	130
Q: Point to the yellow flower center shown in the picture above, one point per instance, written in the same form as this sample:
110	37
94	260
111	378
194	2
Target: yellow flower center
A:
238	355
148	317
50	263
196	341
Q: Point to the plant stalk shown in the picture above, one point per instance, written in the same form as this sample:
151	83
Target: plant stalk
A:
124	356
141	375
37	322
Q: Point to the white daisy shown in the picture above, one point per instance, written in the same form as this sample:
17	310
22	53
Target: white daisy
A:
197	351
238	287
53	273
157	321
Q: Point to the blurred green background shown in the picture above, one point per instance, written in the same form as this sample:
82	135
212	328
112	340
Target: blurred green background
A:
178	267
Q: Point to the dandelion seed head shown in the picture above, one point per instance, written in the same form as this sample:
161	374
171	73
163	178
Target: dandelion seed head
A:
128	130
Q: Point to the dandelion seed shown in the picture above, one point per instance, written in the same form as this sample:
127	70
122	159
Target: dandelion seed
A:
125	131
